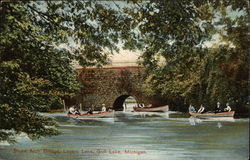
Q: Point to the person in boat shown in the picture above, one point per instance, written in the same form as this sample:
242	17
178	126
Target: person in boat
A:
201	110
141	105
218	108
228	108
90	110
72	110
77	111
191	108
104	108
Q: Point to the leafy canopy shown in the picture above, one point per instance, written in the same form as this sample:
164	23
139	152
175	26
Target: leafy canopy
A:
35	70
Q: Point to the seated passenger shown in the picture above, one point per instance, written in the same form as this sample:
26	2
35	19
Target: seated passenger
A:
201	110
90	111
109	109
72	110
191	108
228	108
218	108
104	108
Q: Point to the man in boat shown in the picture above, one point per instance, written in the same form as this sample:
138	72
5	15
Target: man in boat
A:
201	110
77	111
191	108
104	108
72	110
90	111
218	108
228	108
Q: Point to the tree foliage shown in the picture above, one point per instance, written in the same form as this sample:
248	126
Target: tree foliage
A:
180	67
35	70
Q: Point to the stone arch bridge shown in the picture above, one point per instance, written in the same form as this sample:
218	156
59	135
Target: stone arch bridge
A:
111	86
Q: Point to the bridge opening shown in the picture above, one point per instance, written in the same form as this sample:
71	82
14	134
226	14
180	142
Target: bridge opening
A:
124	102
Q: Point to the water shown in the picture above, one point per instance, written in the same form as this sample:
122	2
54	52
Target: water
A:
137	136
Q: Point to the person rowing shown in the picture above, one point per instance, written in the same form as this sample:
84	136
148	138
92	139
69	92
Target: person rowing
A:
77	111
72	110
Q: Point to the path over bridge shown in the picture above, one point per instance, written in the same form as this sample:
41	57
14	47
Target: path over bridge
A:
111	86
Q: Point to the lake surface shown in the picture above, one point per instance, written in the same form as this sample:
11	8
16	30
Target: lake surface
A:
136	136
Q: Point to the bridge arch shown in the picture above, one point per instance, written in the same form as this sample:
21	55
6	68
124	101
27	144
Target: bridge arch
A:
111	86
118	103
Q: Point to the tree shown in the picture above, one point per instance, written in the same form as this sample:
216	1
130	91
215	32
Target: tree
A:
175	32
35	72
231	64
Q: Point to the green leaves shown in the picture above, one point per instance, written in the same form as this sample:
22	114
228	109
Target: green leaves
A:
23	120
34	74
176	32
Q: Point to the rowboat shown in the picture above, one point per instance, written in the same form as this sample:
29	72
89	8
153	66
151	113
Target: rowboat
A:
108	114
212	114
152	109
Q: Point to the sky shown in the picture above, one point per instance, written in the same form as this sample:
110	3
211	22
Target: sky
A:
121	58
125	58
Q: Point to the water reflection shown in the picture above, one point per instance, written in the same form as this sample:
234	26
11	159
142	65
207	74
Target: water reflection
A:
194	121
219	125
152	114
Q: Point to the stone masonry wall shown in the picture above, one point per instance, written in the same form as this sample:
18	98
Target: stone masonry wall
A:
105	85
